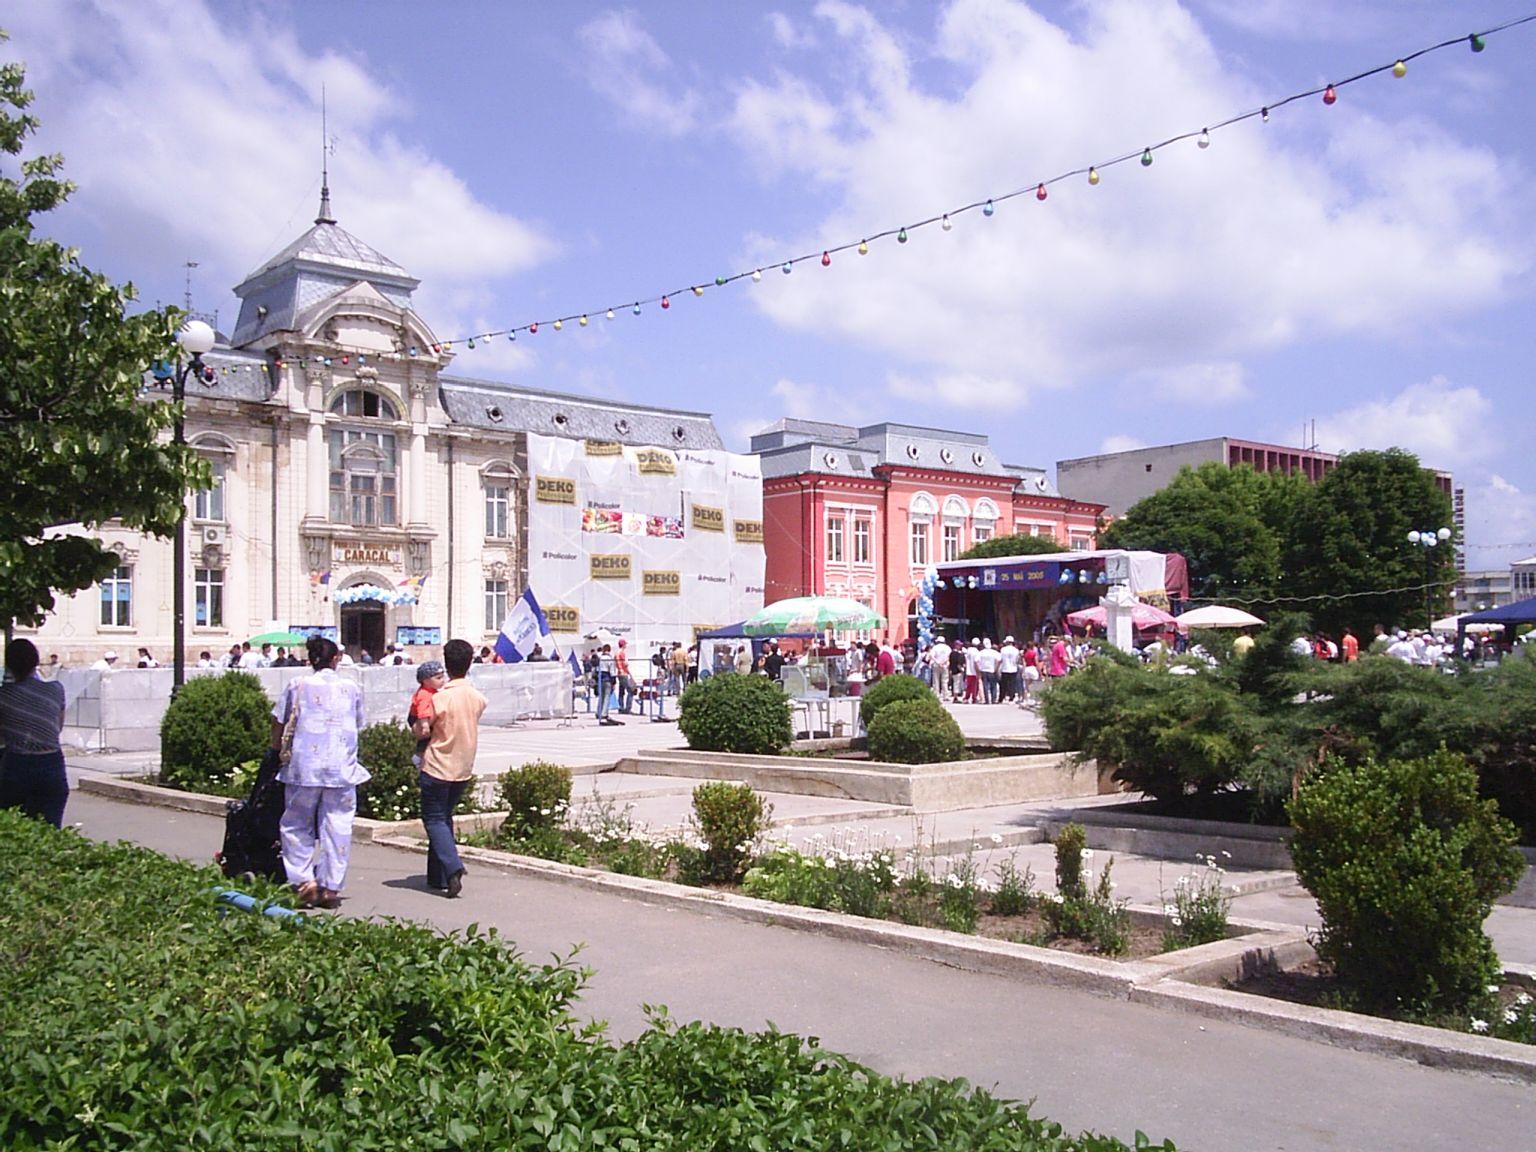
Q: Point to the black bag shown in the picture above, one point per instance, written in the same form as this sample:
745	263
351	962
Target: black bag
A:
250	827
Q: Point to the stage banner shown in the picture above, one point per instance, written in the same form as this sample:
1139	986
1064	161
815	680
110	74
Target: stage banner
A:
643	541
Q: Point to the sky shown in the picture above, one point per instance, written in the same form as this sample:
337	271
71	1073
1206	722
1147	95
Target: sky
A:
1354	275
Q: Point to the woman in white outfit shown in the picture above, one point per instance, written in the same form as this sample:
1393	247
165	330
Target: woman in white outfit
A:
320	777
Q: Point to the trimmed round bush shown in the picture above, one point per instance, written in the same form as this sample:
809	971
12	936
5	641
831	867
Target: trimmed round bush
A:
915	732
735	713
393	792
730	818
888	690
536	796
1405	862
211	727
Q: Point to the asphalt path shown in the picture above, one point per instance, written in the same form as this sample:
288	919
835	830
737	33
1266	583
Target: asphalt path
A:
1087	1061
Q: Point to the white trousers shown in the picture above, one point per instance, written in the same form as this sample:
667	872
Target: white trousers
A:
316	831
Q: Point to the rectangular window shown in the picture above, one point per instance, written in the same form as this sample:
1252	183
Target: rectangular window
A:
1080	543
951	542
498	505
863	535
208	503
835	541
919	543
117	599
363	477
208	597
495	604
982	530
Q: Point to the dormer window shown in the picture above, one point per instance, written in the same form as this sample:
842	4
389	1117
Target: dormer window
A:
361	402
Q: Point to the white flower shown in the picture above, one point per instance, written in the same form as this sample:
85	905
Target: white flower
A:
1182	882
1510	1015
1228	855
1523	999
544	812
1177	921
1087	853
1479	1025
997	837
1493	989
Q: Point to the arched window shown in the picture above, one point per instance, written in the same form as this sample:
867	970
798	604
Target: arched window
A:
984	518
952	542
360	402
209	503
920	516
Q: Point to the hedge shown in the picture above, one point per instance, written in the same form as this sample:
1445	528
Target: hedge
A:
138	1015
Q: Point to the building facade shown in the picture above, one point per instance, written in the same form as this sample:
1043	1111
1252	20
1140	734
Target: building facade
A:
360	489
863	512
1119	479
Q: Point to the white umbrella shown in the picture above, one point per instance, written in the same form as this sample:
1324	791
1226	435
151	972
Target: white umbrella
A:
1448	624
1219	616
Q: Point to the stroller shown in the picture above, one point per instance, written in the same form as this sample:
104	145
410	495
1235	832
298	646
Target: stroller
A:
250	827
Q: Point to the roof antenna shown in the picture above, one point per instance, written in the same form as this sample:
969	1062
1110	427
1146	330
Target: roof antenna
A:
187	299
327	146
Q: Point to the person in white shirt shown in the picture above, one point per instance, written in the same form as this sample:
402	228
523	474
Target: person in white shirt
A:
205	660
938	663
1401	648
1008	669
972	673
249	659
108	660
1301	646
987	662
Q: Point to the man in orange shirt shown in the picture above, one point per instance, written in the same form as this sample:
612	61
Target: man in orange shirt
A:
626	682
1350	647
448	767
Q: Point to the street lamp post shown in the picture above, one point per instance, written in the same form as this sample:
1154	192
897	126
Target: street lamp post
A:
1428	539
195	339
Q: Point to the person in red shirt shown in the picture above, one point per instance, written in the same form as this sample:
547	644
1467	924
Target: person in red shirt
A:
886	662
1350	647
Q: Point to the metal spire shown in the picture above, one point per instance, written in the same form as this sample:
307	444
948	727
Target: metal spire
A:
325	216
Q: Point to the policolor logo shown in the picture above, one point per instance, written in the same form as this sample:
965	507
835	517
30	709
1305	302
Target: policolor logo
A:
559	555
707	579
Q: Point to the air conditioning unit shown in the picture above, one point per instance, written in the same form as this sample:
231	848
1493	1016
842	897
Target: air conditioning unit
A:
214	535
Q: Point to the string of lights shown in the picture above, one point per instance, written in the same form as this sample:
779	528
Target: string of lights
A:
987	206
1324	597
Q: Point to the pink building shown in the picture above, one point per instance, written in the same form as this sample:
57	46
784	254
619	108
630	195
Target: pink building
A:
861	512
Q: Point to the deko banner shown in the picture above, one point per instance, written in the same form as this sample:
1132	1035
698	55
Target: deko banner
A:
647	542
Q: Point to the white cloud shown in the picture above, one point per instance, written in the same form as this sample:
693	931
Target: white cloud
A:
807	401
1313	227
1444	425
1122	443
1501	523
788	33
201	138
626	66
1205	385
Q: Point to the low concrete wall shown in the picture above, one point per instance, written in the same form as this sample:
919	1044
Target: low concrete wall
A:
1115	829
921	787
122	709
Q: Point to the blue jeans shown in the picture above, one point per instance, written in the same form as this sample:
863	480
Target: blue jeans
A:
438	800
989	687
603	689
36	784
626	694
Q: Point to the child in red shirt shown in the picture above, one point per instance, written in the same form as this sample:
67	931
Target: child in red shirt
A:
431	676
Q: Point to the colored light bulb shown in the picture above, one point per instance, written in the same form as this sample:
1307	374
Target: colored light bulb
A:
863	247
1400	69
787	268
609	313
413	349
533	328
1329	95
988	208
437	347
1477	42
946	225
1146	158
1204	140
559	324
901	237
1264	115
757	275
1093	175
826	259
583	321
636	309
327	361
471	346
665	302
512	335
719	281
1040	192
698	290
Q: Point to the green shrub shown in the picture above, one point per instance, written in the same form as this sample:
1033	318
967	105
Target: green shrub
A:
915	732
151	1019
746	714
1405	862
211	726
1095	917
888	690
1502	741
535	796
730	819
1070	842
1015	892
393	791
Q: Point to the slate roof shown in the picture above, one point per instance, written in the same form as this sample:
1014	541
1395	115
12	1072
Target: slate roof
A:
791	446
333	245
495	404
236	376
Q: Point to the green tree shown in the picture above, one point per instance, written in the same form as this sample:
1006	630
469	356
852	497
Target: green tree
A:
1350	542
1230	524
1018	545
78	444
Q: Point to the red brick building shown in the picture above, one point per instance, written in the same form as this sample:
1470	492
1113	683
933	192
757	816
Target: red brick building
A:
861	512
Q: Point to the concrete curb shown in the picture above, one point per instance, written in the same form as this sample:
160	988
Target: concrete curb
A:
1435	1047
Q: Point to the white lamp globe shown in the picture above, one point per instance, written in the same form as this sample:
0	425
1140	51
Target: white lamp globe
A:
195	338
1413	537
1444	533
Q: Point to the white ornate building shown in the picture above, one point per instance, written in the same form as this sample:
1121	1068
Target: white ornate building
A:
359	488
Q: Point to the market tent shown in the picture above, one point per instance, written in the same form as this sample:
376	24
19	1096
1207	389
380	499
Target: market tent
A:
1143	616
811	614
738	631
1520	612
1449	624
1219	616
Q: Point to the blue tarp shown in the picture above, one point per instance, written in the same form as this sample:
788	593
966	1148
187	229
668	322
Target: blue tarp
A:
1520	612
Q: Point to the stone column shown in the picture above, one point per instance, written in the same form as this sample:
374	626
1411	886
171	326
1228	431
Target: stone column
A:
1118	603
416	463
